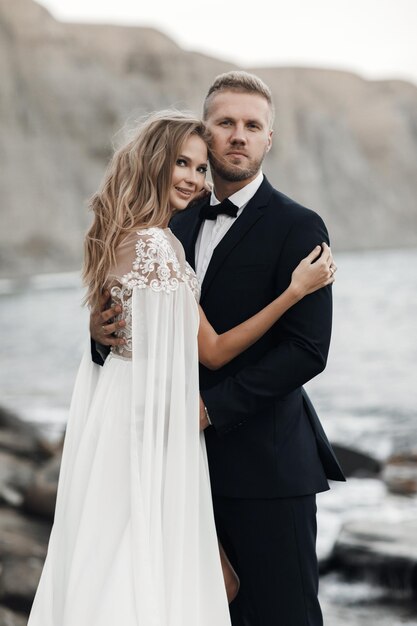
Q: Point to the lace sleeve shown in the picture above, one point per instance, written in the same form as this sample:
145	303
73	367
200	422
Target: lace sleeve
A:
152	259
156	264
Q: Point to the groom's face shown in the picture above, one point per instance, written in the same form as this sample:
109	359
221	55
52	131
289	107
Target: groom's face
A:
240	135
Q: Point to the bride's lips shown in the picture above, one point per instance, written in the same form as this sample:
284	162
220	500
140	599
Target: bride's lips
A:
185	193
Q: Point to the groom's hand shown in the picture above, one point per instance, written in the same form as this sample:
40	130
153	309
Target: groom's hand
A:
203	416
102	325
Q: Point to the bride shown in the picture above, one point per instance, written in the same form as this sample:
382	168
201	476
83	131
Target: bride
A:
134	540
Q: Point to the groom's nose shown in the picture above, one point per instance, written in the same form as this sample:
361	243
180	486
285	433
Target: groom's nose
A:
238	135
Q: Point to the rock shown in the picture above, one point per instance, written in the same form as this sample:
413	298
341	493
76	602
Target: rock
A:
355	463
68	88
22	536
335	508
15	476
23	545
346	602
368	503
21	438
400	473
386	550
40	496
21	450
18	583
9	618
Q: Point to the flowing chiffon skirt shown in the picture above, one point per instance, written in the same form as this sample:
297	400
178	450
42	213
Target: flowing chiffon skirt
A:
133	541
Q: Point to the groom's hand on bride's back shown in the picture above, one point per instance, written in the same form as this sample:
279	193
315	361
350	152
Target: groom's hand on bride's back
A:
102	324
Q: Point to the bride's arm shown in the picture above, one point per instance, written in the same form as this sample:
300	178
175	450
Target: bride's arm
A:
310	274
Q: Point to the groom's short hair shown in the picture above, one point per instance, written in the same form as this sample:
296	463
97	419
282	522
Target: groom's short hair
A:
241	82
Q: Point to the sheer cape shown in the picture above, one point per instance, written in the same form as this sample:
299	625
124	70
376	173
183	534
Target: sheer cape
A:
134	540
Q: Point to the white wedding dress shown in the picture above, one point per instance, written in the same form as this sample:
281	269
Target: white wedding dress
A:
133	541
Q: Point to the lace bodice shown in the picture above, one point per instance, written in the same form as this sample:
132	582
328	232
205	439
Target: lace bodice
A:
151	258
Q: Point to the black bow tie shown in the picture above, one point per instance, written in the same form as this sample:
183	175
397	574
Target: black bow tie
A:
210	212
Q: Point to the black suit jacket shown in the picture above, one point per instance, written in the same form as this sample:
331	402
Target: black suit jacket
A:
266	440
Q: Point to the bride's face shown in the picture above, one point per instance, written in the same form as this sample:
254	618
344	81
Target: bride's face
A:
189	173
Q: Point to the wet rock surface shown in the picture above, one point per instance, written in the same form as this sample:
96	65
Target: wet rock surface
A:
9	618
22	439
41	493
356	463
18	583
366	532
387	551
359	603
400	473
15	475
23	536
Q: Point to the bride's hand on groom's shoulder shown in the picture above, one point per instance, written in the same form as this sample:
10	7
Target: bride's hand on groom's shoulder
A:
102	326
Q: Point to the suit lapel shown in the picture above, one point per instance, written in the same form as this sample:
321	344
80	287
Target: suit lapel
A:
250	215
188	231
192	238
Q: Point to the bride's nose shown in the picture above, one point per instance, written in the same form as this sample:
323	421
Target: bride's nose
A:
191	177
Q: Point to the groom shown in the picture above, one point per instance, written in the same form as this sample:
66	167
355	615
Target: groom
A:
268	453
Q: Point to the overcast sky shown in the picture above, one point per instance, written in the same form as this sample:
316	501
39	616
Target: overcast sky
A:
376	38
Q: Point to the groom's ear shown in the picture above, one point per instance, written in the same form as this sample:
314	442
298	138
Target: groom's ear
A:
269	144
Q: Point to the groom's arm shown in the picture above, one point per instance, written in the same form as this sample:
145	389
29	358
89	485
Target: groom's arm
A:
102	329
300	355
99	353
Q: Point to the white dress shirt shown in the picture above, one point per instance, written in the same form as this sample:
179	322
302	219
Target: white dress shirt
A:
213	231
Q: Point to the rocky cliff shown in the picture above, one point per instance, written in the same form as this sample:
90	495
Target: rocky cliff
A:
344	146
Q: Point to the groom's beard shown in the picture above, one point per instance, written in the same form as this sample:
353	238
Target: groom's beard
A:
233	172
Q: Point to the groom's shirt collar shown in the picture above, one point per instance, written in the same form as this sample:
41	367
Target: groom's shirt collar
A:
213	231
241	198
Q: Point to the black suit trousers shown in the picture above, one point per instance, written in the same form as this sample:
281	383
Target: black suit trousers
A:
271	545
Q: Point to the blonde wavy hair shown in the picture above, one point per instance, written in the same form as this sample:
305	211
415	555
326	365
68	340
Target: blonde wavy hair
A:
135	191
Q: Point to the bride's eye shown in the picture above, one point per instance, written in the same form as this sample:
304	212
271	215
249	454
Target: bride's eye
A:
181	162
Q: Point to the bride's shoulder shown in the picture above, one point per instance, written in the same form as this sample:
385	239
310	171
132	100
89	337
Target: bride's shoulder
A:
155	237
141	239
153	257
160	244
151	231
136	245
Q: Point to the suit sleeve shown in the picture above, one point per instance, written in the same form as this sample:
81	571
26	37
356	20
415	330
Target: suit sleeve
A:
297	358
99	353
